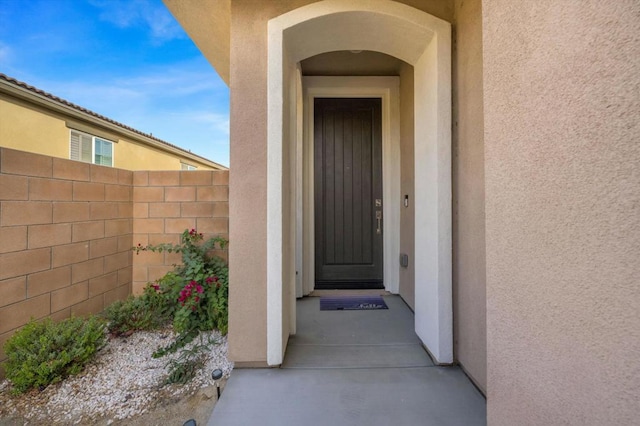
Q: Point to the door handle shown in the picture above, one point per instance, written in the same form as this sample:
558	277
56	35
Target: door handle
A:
379	219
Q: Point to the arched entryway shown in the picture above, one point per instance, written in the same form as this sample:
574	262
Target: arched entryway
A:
418	39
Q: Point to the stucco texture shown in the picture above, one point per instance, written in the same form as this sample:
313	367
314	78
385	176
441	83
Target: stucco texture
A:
22	128
247	189
561	104
248	152
469	284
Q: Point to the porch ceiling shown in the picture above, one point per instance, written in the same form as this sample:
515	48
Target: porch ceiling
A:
344	62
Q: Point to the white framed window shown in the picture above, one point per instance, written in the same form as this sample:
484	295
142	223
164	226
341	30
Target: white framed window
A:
90	149
185	166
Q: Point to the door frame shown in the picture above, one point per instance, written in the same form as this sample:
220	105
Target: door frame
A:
387	89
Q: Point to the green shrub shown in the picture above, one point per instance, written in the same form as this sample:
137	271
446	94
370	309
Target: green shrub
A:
195	294
45	352
134	313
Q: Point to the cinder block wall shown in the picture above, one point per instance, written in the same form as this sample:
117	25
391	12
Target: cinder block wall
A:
65	238
67	228
165	204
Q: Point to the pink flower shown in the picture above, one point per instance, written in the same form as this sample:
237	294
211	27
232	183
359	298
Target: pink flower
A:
209	280
199	288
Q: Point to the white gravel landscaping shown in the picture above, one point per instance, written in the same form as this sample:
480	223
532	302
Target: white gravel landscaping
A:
123	381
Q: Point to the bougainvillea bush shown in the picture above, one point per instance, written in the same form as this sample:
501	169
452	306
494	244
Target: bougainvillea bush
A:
194	295
193	298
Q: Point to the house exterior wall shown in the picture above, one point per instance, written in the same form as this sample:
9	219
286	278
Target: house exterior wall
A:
248	84
469	275
22	126
247	190
561	107
67	228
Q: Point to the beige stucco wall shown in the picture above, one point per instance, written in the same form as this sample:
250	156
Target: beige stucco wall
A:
248	226
561	104
24	129
469	283
407	214
135	156
247	190
22	126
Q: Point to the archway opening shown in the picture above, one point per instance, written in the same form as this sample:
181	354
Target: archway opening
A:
422	41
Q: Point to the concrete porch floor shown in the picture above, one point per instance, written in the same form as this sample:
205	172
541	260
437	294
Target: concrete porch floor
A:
352	368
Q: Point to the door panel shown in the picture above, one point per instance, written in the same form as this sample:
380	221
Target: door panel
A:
348	181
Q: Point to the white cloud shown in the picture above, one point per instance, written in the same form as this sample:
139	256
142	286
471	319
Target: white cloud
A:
129	13
176	81
5	53
219	122
184	106
182	82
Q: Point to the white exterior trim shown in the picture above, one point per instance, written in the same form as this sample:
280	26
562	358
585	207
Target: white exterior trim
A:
421	40
275	113
388	90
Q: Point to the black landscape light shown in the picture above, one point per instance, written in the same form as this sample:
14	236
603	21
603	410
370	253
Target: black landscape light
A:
190	422
216	375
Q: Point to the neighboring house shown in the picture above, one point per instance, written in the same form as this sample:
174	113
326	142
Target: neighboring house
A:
506	138
28	113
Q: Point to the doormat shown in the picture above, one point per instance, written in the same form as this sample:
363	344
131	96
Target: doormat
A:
352	303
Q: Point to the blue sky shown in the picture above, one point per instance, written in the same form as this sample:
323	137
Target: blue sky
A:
126	59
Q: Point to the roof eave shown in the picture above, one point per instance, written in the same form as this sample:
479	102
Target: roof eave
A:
208	24
35	98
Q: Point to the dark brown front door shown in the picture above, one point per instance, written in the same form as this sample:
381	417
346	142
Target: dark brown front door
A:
348	193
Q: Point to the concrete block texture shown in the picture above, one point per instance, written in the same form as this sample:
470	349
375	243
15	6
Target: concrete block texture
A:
164	178
50	189
14	187
186	193
23	163
71	212
18	314
24	262
14	238
13	290
88	191
67	229
25	213
71	170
